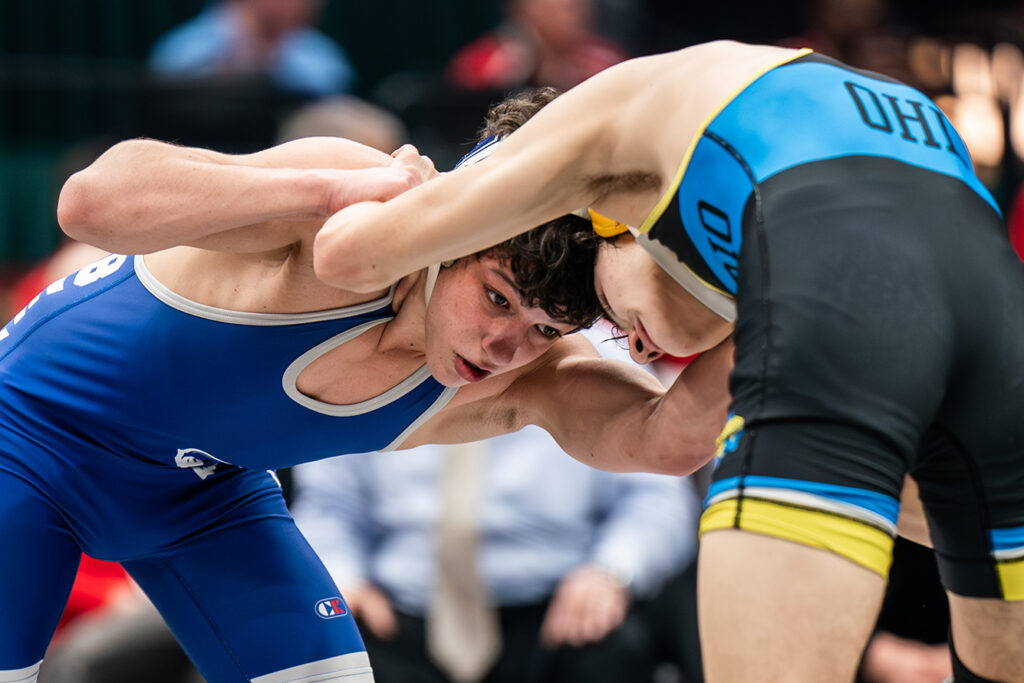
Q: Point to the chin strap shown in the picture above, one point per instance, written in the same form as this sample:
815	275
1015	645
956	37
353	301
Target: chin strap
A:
432	272
606	227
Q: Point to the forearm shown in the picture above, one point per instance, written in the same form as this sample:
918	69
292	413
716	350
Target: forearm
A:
630	427
143	195
679	435
597	409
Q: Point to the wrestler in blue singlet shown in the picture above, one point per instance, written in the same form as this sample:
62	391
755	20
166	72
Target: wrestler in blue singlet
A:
138	426
823	207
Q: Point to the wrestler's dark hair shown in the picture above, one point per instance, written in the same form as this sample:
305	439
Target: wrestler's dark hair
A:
553	268
553	264
506	116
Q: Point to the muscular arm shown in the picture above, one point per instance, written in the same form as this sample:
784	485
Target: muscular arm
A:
542	171
615	417
143	195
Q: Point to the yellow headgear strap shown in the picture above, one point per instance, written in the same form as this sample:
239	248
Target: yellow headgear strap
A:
604	226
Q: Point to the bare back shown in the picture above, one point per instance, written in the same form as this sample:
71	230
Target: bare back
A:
613	143
656	123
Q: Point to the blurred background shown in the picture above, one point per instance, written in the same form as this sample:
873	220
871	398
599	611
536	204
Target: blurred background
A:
241	75
77	75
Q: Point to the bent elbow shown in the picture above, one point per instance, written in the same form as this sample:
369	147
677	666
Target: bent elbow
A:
679	459
76	209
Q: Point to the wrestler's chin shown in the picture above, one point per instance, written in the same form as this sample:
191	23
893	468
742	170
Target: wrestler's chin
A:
445	373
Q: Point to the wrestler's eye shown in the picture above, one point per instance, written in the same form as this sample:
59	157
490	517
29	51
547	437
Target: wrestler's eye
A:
497	299
548	331
606	309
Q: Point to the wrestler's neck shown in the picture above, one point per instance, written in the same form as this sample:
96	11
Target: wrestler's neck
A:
407	330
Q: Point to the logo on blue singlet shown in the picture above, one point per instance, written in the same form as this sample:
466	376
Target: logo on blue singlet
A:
200	462
328	608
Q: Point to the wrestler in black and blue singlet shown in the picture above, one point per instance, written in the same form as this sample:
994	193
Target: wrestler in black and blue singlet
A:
138	426
879	315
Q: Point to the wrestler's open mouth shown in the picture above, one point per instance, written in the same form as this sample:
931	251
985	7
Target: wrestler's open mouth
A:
468	371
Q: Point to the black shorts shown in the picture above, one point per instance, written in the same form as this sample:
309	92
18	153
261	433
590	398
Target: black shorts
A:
880	332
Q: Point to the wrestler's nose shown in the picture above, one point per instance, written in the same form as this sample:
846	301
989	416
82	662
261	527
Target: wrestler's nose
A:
503	342
641	352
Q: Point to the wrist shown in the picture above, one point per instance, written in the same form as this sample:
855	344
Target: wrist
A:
622	578
316	193
283	194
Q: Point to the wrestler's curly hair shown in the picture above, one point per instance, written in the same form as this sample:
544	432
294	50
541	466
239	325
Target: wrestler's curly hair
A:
512	112
553	268
553	264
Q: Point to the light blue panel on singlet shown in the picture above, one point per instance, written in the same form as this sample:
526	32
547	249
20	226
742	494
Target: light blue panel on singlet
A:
1008	542
716	229
804	111
808	111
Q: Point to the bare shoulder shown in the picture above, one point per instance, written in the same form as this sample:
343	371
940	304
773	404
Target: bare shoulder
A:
277	280
658	103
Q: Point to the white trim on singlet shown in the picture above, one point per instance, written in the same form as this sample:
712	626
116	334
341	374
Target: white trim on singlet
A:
721	304
808	501
27	675
431	280
223	315
430	412
291	375
351	668
1009	555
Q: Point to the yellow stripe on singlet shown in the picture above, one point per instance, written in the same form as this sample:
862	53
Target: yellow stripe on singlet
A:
733	426
864	544
1011	577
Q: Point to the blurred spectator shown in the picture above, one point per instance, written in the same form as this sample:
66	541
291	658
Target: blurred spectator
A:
861	33
566	552
273	38
539	42
67	258
348	117
834	25
124	641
